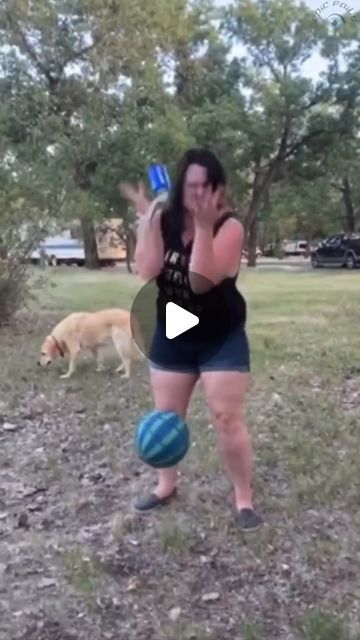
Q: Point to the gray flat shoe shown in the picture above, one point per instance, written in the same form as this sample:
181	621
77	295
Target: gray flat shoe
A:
152	501
248	520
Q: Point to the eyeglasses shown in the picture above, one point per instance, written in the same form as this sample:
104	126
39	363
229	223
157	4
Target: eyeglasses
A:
191	186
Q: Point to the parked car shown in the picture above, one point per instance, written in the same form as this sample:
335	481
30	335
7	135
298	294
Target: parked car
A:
295	248
341	250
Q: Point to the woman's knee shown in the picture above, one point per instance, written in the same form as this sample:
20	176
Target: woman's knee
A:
226	395
228	423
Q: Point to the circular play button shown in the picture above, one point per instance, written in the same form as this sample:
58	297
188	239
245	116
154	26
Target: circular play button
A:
178	320
182	330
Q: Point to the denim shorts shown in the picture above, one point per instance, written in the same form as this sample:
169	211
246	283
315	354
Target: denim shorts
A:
184	355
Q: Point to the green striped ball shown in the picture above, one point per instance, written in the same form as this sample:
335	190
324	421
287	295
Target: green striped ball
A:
162	439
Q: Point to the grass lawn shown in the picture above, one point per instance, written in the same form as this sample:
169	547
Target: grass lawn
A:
75	563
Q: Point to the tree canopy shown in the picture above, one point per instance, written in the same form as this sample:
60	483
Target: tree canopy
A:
91	92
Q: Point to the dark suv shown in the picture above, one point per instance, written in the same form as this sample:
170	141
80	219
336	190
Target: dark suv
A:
342	250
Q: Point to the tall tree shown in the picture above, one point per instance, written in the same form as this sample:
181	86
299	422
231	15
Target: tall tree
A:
72	56
285	110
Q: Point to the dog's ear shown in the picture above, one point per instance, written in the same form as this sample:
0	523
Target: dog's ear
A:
60	348
50	346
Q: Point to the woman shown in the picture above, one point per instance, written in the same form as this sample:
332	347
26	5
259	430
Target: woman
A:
193	249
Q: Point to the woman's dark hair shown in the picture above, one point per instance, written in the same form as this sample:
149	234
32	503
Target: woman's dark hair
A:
215	176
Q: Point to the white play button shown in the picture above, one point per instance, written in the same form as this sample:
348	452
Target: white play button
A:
178	320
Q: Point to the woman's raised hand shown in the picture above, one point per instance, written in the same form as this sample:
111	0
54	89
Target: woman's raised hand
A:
135	195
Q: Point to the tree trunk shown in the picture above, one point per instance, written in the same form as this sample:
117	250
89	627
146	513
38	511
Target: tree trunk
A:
130	243
278	251
90	246
348	204
261	186
252	240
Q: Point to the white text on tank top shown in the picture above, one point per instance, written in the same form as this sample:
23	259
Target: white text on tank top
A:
176	280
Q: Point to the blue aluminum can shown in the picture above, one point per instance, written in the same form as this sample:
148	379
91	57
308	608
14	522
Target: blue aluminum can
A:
159	178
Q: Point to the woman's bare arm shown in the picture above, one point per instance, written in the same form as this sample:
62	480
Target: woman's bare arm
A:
149	253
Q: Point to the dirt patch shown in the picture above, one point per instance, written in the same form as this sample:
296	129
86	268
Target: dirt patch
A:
351	394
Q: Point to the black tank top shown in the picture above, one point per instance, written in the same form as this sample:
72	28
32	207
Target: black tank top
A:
220	309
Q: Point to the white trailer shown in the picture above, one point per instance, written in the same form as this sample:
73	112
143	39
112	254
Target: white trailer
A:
58	250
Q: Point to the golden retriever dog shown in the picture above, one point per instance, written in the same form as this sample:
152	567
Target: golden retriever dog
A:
86	331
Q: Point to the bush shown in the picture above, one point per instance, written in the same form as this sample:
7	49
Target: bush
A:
14	286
